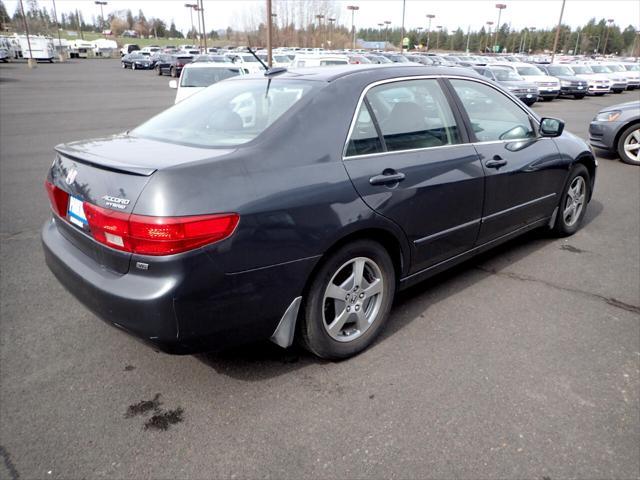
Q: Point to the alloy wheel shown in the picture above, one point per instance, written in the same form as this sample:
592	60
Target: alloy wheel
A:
574	204
631	145
352	299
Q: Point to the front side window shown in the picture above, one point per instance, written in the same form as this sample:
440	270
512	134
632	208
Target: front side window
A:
493	116
413	114
226	114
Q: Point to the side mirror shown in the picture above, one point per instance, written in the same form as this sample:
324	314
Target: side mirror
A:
173	84
551	127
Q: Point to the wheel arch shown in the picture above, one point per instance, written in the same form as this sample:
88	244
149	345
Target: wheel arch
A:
589	161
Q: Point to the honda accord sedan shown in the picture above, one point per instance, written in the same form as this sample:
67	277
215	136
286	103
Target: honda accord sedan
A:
292	206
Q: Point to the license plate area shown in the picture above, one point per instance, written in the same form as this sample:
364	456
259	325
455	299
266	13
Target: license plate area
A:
75	212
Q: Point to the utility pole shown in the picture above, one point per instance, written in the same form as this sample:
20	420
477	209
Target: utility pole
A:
430	16
269	24
468	37
532	30
353	9
55	16
31	63
555	41
331	22
575	50
439	27
500	7
204	29
606	38
319	17
79	25
523	41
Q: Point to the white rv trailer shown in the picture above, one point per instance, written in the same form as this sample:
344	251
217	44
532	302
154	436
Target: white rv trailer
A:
37	48
80	49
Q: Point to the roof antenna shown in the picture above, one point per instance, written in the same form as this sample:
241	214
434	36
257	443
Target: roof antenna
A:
267	71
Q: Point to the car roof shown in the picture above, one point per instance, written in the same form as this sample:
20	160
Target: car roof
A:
375	71
211	65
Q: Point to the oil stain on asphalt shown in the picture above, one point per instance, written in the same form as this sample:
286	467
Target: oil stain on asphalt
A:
161	419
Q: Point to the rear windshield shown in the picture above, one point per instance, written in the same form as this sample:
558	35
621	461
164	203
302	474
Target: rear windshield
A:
203	77
227	113
505	74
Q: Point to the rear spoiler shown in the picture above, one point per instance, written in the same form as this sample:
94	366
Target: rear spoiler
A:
102	162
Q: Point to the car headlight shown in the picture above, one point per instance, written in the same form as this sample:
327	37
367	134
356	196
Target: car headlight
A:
565	83
610	116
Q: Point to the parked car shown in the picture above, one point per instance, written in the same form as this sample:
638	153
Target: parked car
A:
549	86
632	77
4	55
633	74
212	58
173	65
570	83
355	59
128	48
618	81
598	84
246	61
136	61
396	57
377	58
197	230
527	92
195	77
617	129
319	60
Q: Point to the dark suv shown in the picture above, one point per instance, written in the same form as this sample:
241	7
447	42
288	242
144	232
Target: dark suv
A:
570	83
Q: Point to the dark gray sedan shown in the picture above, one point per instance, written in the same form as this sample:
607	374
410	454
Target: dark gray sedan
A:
617	128
296	204
526	91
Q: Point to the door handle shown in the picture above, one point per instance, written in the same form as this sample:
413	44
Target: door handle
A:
496	162
388	176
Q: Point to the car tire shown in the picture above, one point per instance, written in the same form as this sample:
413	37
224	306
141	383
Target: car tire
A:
617	91
579	96
577	191
629	136
357	318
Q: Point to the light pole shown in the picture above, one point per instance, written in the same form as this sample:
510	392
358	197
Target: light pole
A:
204	29
380	25
523	41
606	38
500	7
331	22
430	16
532	30
102	4
274	25
439	27
555	40
598	44
419	29
404	4
486	44
192	7
386	32
320	17
353	9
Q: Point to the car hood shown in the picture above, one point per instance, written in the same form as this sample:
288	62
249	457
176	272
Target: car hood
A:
186	92
633	105
137	155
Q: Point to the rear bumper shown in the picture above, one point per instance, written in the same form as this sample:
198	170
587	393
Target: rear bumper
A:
183	303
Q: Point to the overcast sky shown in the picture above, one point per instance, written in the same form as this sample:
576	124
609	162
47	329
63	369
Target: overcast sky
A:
449	13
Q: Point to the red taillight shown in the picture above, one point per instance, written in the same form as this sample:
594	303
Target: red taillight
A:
157	235
59	199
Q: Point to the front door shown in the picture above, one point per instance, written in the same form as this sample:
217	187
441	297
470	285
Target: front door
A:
522	171
410	162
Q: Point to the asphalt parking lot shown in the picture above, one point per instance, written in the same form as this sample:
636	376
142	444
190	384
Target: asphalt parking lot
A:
523	363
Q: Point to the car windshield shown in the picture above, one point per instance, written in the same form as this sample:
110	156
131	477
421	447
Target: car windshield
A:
227	113
561	71
581	69
600	69
281	58
137	56
616	68
506	75
399	59
530	70
632	68
203	77
249	58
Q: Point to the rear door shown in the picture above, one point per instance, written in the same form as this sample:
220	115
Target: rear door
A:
409	161
523	174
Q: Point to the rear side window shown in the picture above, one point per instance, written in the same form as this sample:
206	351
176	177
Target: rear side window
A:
413	114
493	115
364	137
